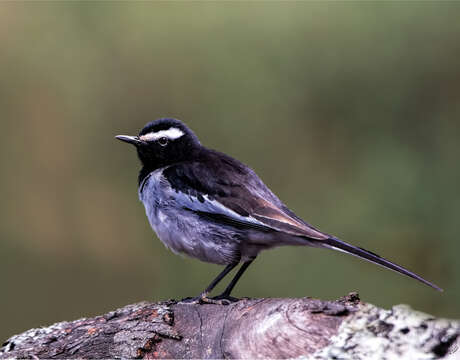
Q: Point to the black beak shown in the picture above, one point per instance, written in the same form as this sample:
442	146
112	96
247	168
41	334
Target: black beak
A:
129	139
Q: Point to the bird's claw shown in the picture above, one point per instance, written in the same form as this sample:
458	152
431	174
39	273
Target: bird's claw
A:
224	299
204	299
190	300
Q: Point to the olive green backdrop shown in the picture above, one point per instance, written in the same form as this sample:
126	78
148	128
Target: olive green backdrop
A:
348	111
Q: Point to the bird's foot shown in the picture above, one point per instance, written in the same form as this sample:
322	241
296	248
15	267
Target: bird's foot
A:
191	300
224	299
204	299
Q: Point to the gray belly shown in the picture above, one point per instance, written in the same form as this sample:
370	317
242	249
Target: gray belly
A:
182	232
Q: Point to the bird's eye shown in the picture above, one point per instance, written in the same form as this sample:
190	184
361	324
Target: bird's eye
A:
163	141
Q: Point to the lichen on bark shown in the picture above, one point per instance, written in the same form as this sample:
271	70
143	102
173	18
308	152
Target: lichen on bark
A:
251	328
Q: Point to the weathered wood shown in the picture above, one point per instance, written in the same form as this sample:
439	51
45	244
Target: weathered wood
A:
251	328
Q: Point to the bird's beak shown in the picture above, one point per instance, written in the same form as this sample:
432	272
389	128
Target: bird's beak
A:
129	139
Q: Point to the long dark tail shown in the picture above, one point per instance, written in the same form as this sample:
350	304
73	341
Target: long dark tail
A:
336	244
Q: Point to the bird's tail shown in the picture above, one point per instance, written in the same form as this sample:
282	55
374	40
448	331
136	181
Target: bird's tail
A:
336	244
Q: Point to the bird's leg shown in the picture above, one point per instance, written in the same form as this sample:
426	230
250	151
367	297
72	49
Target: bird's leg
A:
203	298
225	296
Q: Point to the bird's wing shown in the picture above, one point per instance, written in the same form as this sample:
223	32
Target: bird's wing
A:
226	191
230	193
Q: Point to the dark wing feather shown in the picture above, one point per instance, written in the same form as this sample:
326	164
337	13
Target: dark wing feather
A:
236	187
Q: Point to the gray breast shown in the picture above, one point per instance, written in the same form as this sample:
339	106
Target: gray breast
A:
183	231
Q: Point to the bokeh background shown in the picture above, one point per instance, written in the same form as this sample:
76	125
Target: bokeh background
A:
349	112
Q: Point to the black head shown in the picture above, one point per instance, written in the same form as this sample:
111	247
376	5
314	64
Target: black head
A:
163	142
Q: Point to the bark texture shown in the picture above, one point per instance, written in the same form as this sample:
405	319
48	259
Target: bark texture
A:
251	328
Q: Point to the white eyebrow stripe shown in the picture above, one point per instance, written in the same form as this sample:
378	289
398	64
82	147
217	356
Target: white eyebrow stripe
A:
172	134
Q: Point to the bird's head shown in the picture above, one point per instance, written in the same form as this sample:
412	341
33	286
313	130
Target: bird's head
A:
163	142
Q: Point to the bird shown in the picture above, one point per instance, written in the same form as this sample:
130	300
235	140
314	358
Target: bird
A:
207	205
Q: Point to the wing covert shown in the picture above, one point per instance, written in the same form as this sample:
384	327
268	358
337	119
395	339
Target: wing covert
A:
242	199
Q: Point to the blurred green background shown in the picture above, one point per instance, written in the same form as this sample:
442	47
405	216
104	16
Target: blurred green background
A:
348	111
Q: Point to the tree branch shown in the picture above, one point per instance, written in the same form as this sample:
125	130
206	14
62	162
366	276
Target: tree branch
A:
251	328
